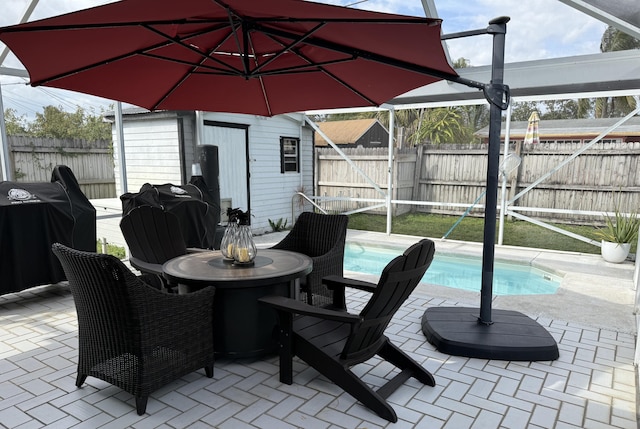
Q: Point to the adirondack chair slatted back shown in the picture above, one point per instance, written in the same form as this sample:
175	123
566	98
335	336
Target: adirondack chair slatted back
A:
397	281
152	234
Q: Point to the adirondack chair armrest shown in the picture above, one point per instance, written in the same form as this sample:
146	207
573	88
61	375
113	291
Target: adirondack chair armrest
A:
145	267
293	306
332	282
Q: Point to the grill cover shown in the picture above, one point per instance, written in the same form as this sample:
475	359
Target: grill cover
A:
193	205
33	216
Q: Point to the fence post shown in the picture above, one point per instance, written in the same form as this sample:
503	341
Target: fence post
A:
514	181
636	276
417	173
636	279
5	155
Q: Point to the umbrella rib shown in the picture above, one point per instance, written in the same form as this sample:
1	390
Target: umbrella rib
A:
371	56
180	42
305	37
82	69
169	41
287	47
28	27
263	88
244	51
233	25
169	92
194	67
221	71
301	68
340	81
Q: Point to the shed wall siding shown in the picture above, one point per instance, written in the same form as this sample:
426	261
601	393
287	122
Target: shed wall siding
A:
271	192
152	153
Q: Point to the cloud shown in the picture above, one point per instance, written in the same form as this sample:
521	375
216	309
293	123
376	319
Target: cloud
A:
537	30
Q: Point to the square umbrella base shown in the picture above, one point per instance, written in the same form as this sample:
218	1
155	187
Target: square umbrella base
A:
511	336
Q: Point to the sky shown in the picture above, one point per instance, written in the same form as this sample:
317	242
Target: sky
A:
537	30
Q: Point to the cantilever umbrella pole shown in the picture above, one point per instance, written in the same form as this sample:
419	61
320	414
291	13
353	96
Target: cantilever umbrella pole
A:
459	330
497	94
497	27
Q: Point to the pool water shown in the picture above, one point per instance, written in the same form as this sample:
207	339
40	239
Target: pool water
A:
461	272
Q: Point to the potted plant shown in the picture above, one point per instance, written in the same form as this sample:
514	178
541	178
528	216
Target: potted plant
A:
619	232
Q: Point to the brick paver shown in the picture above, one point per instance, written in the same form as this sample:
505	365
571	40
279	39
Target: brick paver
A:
591	385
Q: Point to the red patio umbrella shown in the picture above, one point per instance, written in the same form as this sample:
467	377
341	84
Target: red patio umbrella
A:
261	57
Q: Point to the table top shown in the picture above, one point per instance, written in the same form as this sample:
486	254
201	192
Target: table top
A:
211	268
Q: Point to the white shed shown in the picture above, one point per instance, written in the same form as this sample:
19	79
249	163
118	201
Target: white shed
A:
263	161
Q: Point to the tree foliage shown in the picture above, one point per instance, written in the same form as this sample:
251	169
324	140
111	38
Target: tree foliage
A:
440	125
616	40
611	107
54	122
552	109
435	125
16	124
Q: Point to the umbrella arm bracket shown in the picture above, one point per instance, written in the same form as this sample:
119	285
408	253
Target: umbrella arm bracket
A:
497	94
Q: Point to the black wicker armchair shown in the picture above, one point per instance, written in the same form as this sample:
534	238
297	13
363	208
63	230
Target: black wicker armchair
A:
321	237
131	334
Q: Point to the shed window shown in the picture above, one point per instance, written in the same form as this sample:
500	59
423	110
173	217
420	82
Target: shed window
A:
289	155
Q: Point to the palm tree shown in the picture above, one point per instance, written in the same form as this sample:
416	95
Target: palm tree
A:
439	125
407	120
615	40
435	125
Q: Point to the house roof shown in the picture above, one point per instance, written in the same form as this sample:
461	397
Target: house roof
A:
559	128
343	132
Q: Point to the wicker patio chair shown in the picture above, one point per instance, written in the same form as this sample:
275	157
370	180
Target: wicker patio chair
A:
131	334
333	341
322	238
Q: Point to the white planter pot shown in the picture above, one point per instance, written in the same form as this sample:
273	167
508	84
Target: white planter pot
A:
614	252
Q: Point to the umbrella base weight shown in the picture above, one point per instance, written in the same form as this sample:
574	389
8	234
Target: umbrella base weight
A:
511	336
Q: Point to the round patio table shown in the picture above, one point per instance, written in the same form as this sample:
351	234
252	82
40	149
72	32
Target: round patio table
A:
242	326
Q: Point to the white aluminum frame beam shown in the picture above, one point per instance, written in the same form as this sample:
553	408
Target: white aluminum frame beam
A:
585	76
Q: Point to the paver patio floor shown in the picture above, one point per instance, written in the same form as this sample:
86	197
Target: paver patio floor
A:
591	385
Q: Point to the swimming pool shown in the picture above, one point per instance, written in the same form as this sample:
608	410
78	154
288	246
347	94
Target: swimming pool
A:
461	272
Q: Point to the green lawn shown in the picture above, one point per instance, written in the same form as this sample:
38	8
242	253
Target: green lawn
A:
112	249
516	233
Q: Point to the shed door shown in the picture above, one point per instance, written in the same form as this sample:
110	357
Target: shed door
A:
232	142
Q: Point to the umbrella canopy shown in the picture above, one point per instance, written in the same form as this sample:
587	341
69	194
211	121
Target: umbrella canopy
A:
532	135
261	57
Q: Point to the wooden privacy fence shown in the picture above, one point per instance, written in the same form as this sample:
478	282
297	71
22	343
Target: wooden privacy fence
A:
457	174
33	160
